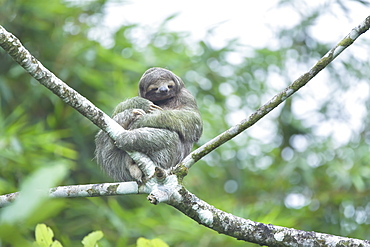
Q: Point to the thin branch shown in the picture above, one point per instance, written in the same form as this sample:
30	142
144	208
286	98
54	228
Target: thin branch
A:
5	200
93	190
277	99
85	190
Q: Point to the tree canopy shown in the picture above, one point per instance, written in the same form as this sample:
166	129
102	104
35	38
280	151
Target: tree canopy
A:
304	166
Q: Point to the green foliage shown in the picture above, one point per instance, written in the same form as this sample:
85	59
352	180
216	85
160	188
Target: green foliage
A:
44	237
290	169
92	239
143	242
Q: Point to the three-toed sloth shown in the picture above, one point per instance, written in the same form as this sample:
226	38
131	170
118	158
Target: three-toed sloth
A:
163	122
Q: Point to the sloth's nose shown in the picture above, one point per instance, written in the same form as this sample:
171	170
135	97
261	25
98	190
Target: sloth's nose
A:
163	89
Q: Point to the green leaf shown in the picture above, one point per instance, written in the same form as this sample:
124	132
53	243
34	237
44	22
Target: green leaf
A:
56	243
44	235
143	242
92	239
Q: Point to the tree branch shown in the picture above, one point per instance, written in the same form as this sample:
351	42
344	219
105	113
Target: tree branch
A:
205	214
84	190
278	98
255	232
23	57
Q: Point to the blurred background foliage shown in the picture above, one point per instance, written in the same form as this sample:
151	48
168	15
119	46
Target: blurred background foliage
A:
305	166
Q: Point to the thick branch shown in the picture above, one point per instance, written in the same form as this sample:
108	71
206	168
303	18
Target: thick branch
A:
279	98
205	214
255	232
